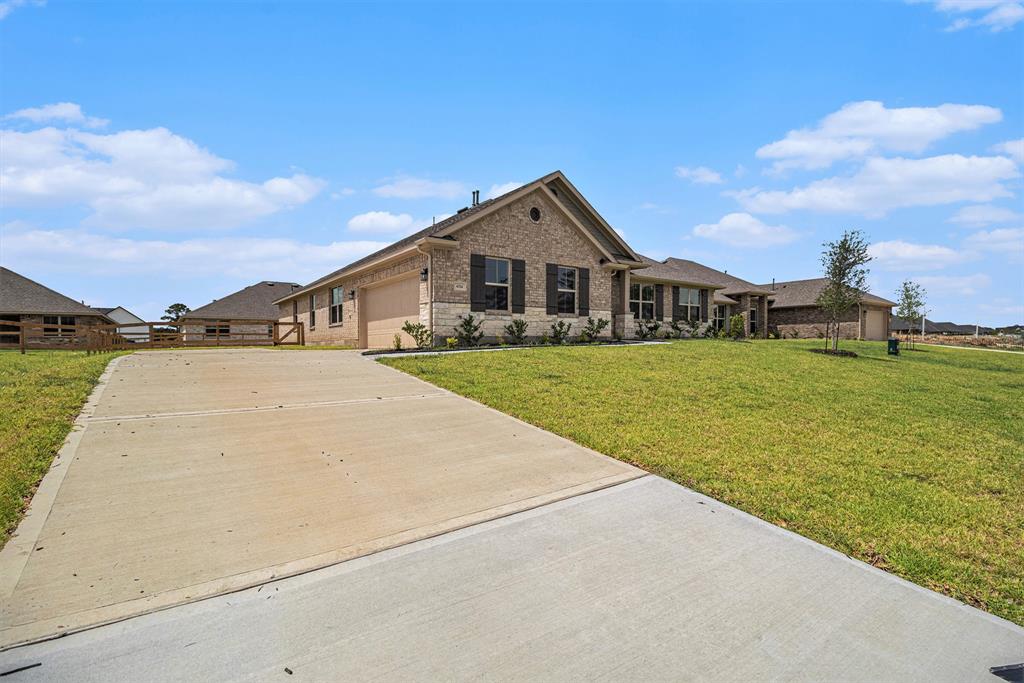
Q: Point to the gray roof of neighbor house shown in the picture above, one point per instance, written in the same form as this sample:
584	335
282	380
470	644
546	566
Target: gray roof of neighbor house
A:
18	294
555	181
255	302
805	293
690	271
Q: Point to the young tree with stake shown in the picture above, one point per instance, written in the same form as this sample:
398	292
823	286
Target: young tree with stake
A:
910	305
843	261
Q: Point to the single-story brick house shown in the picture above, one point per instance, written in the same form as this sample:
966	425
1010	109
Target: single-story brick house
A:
541	253
228	315
61	318
793	312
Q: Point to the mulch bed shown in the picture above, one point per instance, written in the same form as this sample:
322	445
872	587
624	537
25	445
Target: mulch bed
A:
483	347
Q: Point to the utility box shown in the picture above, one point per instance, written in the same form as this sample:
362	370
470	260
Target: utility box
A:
894	347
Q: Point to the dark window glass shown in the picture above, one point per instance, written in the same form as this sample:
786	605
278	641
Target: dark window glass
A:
497	297
567	278
57	321
218	330
641	303
535	214
496	271
312	311
337	299
567	302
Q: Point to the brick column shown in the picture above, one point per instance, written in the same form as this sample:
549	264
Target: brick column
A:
745	312
762	316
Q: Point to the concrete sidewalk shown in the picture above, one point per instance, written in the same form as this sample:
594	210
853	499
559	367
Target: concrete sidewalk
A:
202	472
644	581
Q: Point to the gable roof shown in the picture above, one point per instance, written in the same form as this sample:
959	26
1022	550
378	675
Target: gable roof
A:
18	294
108	311
690	271
557	187
255	302
805	293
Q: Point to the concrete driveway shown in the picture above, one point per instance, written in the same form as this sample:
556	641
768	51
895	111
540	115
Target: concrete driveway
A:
644	581
196	473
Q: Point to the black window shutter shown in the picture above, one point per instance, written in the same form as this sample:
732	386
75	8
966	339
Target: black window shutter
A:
584	291
518	286
552	287
704	305
675	302
477	298
659	302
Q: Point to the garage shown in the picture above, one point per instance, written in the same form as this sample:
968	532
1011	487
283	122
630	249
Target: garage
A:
385	309
874	324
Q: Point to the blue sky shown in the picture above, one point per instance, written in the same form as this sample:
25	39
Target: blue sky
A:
162	152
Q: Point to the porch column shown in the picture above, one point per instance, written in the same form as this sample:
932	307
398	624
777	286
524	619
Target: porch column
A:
745	312
762	316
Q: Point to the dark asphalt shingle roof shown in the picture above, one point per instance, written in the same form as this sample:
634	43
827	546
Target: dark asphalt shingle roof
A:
255	302
690	271
805	293
555	183
18	294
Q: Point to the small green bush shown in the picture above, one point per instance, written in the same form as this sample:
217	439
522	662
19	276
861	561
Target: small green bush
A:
560	331
593	329
451	342
397	342
736	326
516	331
647	329
419	333
468	330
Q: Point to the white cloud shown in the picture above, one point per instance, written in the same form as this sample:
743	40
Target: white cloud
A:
740	171
1008	241
885	184
342	193
8	6
62	112
138	179
1011	148
860	129
964	285
744	230
995	15
251	258
408	187
980	215
906	256
498	190
701	175
380	222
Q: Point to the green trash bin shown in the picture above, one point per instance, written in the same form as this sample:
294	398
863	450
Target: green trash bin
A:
894	347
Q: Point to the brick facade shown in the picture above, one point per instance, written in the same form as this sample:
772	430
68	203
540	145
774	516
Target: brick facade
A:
37	337
509	233
810	322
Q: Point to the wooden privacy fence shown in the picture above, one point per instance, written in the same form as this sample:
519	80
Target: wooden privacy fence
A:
155	335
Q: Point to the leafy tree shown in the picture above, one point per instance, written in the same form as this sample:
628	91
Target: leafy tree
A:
910	305
175	312
843	262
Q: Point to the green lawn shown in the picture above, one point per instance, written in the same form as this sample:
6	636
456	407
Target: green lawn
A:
41	392
914	464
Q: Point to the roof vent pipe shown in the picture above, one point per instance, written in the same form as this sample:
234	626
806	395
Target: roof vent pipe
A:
476	197
773	284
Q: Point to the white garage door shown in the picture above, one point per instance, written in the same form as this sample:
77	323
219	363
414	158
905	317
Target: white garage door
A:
874	328
387	307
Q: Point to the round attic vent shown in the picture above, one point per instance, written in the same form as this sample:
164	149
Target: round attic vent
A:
535	214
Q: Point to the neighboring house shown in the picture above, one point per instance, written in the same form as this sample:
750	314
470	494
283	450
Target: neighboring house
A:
732	295
793	312
243	315
541	253
61	318
128	323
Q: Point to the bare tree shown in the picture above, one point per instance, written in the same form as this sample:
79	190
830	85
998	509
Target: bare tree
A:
910	305
843	262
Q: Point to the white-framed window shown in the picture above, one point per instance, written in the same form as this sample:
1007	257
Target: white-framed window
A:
337	300
753	320
689	303
566	295
496	283
57	321
718	319
312	311
641	300
218	330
